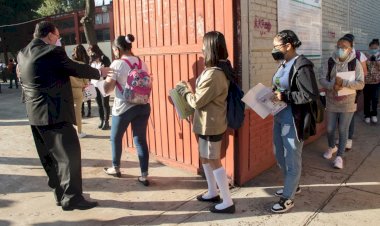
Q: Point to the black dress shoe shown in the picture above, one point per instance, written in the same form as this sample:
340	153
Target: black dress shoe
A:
213	199
82	205
230	209
106	126
101	124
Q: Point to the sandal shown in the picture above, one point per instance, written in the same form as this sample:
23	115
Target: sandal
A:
143	181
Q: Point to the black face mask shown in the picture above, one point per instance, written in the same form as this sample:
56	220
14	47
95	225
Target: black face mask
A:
278	55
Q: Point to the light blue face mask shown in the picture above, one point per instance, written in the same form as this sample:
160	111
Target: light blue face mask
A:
341	53
373	51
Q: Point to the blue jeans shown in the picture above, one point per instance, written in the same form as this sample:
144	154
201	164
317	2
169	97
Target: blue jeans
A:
138	116
351	128
288	151
343	119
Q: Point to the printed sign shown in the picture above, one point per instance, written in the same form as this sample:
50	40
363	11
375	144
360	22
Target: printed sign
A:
304	17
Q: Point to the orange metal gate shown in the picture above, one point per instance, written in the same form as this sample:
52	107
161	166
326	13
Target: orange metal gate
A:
169	38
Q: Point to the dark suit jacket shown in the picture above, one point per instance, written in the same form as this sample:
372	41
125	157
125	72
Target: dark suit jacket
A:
45	71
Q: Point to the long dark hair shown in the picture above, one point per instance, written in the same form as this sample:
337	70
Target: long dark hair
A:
215	48
124	43
96	51
80	54
216	54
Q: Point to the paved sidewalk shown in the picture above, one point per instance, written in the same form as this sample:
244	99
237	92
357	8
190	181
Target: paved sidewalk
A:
329	197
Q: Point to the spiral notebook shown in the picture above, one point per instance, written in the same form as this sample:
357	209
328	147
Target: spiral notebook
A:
184	110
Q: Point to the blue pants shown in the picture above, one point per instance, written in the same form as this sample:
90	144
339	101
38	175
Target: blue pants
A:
138	116
343	119
287	150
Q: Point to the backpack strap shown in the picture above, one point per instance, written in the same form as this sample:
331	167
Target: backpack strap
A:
139	66
129	63
352	65
358	54
330	65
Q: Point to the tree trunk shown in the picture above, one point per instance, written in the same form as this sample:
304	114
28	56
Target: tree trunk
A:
88	22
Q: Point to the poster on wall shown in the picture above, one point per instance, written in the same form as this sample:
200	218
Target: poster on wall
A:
304	17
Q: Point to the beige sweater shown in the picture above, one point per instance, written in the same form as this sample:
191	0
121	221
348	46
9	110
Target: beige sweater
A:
209	102
335	103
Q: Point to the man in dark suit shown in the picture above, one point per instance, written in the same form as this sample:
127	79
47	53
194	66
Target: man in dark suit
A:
44	71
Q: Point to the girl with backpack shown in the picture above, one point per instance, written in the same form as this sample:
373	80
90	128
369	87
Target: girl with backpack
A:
340	109
99	60
372	83
123	111
295	84
210	122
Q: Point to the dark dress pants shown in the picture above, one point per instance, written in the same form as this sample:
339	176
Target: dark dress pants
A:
59	150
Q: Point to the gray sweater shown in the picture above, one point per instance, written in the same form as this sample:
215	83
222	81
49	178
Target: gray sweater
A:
335	103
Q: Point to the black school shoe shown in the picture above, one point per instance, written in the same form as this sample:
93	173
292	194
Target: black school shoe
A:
81	205
213	199
230	209
282	206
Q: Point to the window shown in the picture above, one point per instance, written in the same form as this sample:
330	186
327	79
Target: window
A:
63	24
103	35
102	18
98	19
69	39
106	18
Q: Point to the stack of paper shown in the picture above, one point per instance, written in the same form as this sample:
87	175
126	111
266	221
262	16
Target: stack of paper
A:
263	101
350	76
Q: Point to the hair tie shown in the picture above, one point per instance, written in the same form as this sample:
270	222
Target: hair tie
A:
127	40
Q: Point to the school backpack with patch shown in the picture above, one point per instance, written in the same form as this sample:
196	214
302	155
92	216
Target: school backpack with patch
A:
138	86
235	107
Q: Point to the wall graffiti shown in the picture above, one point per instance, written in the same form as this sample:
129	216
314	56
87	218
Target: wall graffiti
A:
262	25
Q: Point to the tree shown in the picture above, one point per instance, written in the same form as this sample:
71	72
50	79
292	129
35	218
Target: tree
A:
52	7
13	11
88	22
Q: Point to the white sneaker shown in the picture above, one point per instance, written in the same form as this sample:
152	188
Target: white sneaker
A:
328	154
367	120
349	144
338	162
282	206
81	135
374	119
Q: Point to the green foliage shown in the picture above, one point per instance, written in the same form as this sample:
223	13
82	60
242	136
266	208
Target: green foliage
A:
52	7
14	11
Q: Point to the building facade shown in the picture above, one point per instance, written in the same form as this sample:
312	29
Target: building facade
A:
169	34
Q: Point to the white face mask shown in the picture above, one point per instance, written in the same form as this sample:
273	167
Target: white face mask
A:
58	42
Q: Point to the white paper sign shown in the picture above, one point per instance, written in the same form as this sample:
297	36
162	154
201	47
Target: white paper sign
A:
350	76
261	99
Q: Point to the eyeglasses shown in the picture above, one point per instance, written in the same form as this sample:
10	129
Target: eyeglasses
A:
275	46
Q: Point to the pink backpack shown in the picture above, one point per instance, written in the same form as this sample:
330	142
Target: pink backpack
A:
139	84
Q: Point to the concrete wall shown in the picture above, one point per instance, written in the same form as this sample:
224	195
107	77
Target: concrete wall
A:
359	17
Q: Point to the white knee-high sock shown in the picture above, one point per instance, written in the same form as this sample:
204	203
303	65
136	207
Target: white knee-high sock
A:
211	183
221	180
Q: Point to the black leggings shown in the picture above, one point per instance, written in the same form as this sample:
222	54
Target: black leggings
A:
103	105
